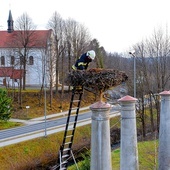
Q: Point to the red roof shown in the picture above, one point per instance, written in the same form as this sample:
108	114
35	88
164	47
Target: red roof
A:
11	72
37	38
17	74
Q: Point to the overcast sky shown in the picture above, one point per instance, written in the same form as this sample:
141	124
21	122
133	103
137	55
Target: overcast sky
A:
117	24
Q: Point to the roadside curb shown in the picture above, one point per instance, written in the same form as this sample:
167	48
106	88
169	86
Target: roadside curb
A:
42	118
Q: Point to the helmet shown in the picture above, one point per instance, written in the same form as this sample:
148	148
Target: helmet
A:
91	54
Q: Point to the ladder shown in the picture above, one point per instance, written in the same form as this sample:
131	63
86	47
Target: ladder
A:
65	149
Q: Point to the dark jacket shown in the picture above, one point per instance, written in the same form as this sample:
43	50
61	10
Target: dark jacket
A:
82	63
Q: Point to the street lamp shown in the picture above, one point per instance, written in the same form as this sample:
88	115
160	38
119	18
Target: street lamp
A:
45	98
45	93
134	67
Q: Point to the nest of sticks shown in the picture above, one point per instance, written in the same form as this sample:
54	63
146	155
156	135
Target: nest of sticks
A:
96	80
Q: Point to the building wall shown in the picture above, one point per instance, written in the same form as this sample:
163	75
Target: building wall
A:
40	48
34	70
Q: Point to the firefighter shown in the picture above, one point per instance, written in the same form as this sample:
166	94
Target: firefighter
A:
83	62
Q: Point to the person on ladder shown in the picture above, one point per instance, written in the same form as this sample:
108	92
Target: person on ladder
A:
83	62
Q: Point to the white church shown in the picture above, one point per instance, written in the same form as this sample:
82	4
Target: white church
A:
38	52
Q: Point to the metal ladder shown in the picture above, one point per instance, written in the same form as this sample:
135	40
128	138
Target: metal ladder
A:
65	149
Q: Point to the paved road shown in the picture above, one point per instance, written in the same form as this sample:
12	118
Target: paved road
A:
39	126
31	131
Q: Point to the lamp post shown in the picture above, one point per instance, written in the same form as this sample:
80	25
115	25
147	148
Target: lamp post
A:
134	67
45	84
45	97
45	110
45	88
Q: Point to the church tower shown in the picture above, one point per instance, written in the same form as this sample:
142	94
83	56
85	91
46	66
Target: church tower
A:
10	23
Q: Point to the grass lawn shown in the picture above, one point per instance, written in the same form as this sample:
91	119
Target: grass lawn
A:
42	151
147	153
39	152
7	125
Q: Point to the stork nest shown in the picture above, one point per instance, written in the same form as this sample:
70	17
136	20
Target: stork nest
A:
96	80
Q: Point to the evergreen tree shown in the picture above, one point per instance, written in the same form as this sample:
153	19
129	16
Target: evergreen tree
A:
5	106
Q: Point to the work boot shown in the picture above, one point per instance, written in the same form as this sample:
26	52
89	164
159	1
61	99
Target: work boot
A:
78	88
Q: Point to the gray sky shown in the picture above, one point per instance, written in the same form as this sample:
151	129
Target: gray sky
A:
117	24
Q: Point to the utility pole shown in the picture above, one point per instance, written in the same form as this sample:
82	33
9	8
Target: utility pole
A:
134	72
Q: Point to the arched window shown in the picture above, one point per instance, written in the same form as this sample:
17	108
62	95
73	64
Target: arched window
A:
12	60
31	60
2	60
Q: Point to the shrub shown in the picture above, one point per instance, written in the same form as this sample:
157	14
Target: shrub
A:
6	106
85	164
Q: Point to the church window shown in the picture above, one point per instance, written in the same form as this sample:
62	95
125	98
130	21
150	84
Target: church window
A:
12	60
2	60
31	60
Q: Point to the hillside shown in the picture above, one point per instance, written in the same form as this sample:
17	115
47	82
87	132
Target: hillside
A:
32	153
36	103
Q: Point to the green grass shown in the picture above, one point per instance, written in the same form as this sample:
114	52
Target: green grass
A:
26	90
43	150
7	125
29	154
40	151
147	156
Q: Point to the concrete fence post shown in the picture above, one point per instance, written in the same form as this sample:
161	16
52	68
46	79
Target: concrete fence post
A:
164	132
100	137
128	146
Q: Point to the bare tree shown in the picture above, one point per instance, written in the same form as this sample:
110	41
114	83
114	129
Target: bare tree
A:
43	68
56	23
153	62
77	38
51	68
158	49
25	28
159	55
62	79
100	53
